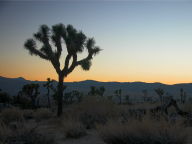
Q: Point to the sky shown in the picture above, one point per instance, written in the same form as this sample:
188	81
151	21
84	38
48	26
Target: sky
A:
149	41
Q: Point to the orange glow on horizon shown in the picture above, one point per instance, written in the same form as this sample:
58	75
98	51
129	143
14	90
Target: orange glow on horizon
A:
101	79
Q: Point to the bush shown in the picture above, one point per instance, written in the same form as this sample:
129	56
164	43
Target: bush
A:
22	135
28	114
4	97
141	133
73	129
29	138
12	115
92	111
5	132
42	114
22	101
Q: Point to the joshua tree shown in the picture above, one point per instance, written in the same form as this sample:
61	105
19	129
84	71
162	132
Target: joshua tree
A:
32	91
77	94
96	91
75	42
48	85
118	94
127	98
68	97
5	98
93	91
145	94
183	95
160	93
55	92
101	91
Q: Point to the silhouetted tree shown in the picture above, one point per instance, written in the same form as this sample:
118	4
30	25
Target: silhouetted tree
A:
96	91
55	92
160	93
75	42
32	91
101	91
22	101
5	98
93	91
145	94
127	98
48	85
78	95
183	95
68	97
118	94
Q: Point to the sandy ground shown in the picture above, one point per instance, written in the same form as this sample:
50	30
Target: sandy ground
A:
92	136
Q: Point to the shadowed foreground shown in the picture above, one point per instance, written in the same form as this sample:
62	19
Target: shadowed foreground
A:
96	120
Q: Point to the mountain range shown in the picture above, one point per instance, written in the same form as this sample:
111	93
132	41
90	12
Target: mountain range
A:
133	89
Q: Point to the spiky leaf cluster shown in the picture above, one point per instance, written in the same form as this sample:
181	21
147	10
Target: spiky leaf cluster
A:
75	42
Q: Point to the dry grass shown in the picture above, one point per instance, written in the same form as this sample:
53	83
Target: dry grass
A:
5	132
42	114
28	114
187	107
135	132
22	134
73	128
12	115
91	111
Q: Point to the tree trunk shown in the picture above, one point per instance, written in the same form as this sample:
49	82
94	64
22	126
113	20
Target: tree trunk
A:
60	96
48	99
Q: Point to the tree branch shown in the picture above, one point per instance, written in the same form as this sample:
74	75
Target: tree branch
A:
89	57
40	54
30	45
66	65
73	65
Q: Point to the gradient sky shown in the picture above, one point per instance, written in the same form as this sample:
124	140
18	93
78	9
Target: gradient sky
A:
141	41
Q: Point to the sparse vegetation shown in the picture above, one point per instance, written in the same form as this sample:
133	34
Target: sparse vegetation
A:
42	114
125	124
145	132
12	115
73	128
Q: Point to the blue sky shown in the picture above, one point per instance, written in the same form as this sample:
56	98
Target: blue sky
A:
141	41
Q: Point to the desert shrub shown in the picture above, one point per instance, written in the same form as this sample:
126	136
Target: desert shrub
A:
4	97
73	128
12	115
28	114
5	132
92	111
22	135
22	101
42	114
187	107
141	133
29	138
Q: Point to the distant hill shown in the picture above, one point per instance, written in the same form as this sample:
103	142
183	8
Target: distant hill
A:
133	89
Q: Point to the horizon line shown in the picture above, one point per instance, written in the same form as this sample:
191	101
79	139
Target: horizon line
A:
99	81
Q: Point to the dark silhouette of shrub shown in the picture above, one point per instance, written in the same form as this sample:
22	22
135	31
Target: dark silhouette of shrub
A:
160	93
5	98
32	91
96	91
22	101
48	85
118	94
